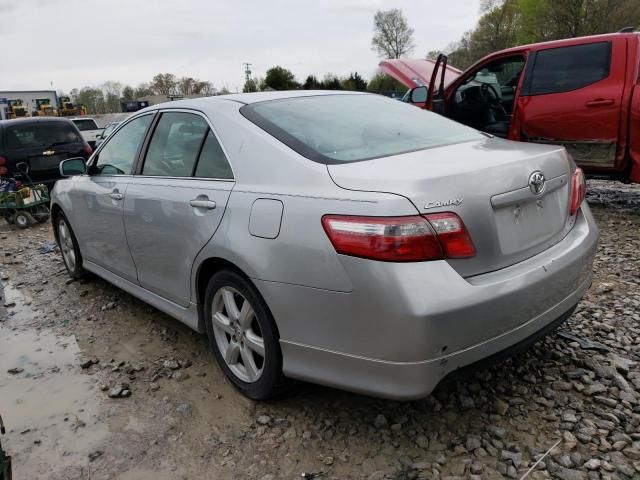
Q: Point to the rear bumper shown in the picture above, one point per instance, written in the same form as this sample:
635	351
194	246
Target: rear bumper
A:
404	327
410	380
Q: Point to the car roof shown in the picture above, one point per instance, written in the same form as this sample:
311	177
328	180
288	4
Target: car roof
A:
25	120
246	98
564	42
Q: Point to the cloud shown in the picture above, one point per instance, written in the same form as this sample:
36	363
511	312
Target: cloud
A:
132	41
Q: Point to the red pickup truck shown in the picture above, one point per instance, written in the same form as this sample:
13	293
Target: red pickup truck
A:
583	93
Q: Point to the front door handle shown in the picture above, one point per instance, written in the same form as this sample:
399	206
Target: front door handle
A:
116	196
600	102
208	204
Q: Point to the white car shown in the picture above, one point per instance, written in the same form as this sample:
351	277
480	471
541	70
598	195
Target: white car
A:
89	130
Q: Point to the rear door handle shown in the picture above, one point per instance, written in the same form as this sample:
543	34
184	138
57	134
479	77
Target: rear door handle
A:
208	204
116	196
600	102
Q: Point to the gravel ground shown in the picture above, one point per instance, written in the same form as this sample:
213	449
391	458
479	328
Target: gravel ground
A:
95	384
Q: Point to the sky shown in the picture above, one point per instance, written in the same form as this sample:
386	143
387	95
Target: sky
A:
74	43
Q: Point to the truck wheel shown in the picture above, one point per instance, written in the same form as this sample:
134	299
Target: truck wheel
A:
243	335
23	219
9	218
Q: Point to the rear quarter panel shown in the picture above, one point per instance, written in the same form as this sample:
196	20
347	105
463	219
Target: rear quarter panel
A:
264	168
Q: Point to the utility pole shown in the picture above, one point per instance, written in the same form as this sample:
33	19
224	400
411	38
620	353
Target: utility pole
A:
247	71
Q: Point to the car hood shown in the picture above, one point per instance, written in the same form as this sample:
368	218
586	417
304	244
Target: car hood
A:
415	72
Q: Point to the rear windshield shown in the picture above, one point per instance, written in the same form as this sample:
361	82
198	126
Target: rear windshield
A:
40	135
350	128
86	125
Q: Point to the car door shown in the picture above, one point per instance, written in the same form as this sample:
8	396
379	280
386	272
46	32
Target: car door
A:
176	201
571	95
98	199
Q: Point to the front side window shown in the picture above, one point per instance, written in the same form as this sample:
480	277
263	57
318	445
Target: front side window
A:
40	135
564	69
354	127
119	152
175	145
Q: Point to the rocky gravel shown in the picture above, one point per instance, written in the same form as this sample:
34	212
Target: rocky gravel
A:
131	393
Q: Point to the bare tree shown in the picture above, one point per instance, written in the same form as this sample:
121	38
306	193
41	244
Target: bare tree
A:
392	37
164	84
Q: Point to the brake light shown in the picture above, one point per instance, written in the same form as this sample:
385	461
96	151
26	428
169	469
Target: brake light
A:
399	239
88	150
453	235
578	190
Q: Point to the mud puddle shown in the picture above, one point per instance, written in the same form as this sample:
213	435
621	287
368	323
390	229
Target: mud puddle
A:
49	407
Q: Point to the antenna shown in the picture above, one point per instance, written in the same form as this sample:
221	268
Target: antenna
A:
247	71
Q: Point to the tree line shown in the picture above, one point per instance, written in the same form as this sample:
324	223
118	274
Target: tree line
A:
508	23
107	97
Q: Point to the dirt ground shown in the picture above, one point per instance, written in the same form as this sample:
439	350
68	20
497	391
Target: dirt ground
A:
67	348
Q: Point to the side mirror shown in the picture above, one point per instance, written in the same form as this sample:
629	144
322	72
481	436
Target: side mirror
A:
22	167
72	166
419	94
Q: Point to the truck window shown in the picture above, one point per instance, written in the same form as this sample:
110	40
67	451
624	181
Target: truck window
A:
564	69
86	124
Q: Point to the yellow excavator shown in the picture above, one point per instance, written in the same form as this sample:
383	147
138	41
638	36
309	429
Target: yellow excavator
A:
68	109
44	108
17	109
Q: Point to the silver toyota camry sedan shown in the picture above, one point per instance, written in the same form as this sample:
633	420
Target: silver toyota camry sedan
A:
340	238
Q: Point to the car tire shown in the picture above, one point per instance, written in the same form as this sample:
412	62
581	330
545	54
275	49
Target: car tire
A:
240	334
68	245
23	219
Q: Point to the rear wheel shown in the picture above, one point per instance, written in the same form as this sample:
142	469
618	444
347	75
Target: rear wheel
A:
41	213
69	248
243	335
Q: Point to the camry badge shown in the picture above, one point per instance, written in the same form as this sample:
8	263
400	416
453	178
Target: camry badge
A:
455	202
537	183
48	153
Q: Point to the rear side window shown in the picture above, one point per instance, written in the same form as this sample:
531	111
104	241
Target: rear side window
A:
569	68
175	145
40	135
86	124
213	163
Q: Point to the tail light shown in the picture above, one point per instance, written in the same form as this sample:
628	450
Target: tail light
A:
400	239
578	190
88	150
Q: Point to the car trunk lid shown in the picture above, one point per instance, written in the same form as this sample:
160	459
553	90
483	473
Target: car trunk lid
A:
487	184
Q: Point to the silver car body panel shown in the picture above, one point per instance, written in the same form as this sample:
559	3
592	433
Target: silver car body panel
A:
389	329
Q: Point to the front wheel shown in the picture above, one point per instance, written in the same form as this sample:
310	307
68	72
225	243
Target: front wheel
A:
69	248
243	335
23	219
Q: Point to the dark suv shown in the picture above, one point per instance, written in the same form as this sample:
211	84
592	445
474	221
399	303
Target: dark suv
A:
41	143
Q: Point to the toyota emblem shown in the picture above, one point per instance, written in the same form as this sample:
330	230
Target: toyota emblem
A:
537	183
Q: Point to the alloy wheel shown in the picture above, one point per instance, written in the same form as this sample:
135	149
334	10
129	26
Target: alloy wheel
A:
66	245
238	335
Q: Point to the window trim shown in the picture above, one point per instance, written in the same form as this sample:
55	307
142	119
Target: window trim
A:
137	171
530	69
96	155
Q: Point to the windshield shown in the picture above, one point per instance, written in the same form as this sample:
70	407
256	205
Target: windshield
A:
84	125
350	128
40	135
